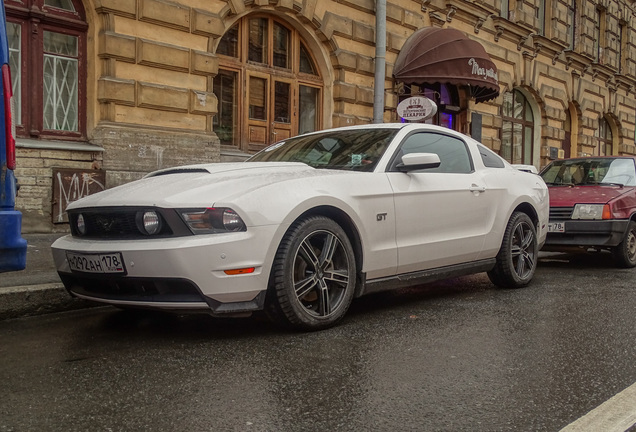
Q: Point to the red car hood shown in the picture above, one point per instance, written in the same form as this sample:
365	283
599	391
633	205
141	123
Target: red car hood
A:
567	196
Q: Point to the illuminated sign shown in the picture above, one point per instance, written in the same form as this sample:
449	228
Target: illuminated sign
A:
416	108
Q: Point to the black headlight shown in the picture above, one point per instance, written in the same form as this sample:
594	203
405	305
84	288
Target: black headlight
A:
212	220
80	224
149	222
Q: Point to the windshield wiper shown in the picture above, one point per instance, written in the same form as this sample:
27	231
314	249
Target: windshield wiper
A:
559	184
591	182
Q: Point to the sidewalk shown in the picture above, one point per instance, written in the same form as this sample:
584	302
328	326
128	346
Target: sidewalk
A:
36	289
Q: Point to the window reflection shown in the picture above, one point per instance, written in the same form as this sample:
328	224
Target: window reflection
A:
517	131
604	138
258	98
282	102
257	51
229	43
282	51
225	122
308	119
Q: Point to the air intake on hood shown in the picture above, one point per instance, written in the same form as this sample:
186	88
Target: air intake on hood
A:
178	171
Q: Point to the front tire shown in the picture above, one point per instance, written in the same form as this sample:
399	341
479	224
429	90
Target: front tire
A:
517	258
625	253
313	276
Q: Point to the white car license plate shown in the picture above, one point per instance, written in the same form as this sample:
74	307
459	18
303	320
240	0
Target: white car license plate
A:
558	227
96	263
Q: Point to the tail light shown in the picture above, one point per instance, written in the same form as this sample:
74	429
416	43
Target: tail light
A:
8	116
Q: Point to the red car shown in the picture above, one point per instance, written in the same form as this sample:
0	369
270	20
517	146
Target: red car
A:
593	206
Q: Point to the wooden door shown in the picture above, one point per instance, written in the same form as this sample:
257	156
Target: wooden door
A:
258	127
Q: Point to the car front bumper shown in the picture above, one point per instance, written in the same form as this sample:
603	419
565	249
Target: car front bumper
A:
591	233
180	274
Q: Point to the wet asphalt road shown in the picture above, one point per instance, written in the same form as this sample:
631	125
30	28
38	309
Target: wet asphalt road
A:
454	356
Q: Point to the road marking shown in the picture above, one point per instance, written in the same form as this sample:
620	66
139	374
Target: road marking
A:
617	414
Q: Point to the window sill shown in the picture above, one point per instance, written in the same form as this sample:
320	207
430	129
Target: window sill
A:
56	145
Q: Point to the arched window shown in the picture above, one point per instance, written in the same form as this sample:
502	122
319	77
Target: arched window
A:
268	86
47	42
517	132
604	138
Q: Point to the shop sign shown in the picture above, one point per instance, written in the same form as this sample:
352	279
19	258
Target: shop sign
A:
416	108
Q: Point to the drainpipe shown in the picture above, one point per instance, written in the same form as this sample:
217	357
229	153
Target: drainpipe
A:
380	61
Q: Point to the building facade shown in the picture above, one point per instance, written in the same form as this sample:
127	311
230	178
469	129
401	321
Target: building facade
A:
108	90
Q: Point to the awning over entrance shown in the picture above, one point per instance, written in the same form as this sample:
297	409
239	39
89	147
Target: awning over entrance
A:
435	55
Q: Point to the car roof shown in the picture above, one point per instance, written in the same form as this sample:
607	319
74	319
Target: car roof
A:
584	158
387	126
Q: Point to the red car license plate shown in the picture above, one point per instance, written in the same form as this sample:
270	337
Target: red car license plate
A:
558	227
96	263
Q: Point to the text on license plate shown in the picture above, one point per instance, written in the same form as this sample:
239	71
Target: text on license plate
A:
96	263
556	227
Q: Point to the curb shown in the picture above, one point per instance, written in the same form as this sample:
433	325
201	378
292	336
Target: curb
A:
28	300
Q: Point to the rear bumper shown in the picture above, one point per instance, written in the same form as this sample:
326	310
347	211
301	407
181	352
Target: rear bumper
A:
590	233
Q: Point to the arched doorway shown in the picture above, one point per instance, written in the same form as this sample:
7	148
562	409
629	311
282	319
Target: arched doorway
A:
268	86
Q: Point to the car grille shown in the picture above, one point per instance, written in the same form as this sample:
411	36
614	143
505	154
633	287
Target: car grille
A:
111	224
123	223
560	213
134	289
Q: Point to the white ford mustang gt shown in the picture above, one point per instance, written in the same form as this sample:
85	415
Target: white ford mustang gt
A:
306	225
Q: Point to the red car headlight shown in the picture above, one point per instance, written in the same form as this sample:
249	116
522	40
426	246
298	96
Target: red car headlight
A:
591	211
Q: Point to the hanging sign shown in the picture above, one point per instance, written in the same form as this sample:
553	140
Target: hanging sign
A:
416	108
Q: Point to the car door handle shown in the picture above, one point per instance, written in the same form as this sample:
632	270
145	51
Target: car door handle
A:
475	188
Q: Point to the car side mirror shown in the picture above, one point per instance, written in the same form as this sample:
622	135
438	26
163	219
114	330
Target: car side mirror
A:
418	161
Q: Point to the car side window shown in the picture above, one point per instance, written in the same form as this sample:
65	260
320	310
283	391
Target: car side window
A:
490	158
453	153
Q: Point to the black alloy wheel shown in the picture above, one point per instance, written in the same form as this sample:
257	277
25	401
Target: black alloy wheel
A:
517	258
314	275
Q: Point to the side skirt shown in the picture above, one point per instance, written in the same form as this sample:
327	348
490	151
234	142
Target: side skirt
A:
424	276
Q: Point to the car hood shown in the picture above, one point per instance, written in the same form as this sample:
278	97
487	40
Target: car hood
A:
568	196
201	185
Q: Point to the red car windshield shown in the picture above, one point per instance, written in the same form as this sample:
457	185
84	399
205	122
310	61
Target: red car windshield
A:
591	171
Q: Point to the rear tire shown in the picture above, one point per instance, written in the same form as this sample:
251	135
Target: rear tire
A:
625	253
517	258
313	275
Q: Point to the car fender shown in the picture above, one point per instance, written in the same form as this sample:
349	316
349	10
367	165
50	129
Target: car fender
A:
526	191
366	199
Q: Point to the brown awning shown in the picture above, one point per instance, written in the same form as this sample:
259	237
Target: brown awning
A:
435	55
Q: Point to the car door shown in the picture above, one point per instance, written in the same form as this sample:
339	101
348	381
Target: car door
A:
442	214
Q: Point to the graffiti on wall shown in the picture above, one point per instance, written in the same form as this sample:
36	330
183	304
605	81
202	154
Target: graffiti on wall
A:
72	184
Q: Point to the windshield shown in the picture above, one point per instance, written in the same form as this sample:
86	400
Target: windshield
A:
353	150
590	171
